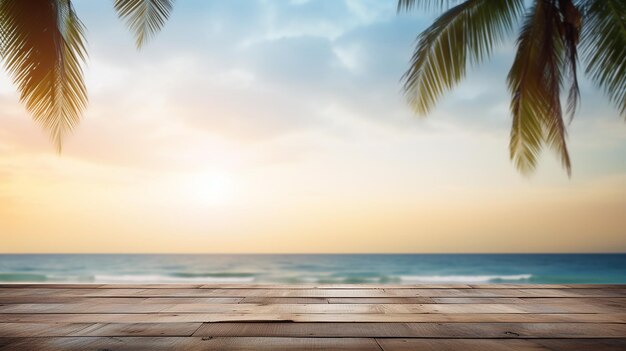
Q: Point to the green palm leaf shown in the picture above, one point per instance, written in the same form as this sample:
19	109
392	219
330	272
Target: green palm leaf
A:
604	48
43	49
570	23
466	32
535	82
144	17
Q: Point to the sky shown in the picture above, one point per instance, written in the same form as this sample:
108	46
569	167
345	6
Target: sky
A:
280	127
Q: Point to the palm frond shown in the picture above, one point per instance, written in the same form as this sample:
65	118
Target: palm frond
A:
144	17
43	49
534	82
604	48
570	27
407	5
466	32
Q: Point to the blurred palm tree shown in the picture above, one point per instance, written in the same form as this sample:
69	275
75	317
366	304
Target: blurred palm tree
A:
548	46
42	45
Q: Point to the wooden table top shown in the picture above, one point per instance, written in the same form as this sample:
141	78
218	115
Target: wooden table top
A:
312	317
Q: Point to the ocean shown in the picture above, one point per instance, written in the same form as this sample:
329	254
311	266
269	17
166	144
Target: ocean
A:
318	268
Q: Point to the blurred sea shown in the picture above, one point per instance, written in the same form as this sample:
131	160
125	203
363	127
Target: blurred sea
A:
293	269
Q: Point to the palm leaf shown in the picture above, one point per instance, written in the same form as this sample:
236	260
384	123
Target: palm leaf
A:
144	17
535	81
43	49
570	26
407	5
466	32
604	48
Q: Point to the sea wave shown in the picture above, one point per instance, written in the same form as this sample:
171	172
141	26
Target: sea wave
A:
171	279
23	277
463	278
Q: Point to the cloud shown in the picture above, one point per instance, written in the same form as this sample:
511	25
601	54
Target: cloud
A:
256	74
297	105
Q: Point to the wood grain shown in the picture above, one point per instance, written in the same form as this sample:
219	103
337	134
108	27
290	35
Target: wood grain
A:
192	344
312	317
416	330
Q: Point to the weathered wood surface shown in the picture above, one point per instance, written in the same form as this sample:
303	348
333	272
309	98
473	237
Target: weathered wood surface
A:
312	317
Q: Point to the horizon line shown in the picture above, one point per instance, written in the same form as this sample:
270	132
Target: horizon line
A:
317	253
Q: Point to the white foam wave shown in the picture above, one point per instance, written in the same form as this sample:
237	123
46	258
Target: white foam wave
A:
167	279
462	278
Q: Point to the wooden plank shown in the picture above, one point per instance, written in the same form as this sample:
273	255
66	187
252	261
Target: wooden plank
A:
502	345
583	345
10	292
107	343
301	292
476	299
283	300
575	292
596	286
152	286
254	316
235	317
308	344
344	344
104	292
190	300
279	308
73	292
518	286
6	341
82	308
305	330
328	293
454	308
499	308
574	300
139	329
50	286
381	300
457	293
307	308
611	301
458	344
314	317
413	330
570	292
40	329
68	299
388	292
547	286
193	344
162	293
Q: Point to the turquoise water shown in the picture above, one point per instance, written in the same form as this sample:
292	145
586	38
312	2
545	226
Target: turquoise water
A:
366	268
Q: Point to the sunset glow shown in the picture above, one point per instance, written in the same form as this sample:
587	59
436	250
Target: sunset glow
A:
281	127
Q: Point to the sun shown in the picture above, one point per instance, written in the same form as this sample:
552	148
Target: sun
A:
214	188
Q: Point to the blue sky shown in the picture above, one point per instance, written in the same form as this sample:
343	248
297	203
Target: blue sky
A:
241	115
